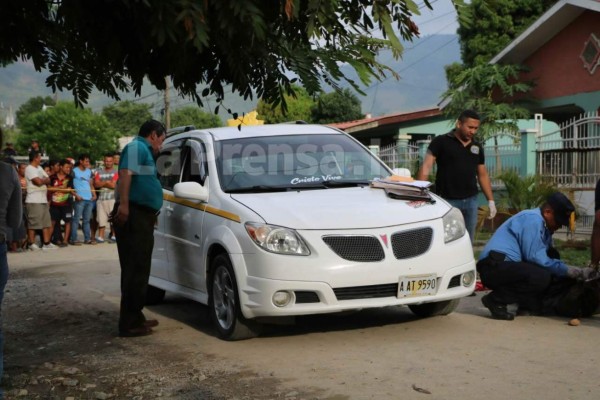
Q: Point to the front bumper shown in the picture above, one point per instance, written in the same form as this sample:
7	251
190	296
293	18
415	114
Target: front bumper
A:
256	295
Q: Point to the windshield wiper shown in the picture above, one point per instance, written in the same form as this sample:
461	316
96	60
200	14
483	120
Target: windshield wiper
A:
335	183
258	189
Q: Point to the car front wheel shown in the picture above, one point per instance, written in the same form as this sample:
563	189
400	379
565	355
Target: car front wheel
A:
436	308
224	303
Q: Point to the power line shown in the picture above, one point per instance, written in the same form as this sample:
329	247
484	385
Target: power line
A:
376	85
423	5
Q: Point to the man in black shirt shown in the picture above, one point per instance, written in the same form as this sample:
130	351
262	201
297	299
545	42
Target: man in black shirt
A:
460	165
9	150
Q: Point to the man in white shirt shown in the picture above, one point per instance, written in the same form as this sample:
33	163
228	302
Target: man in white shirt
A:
36	203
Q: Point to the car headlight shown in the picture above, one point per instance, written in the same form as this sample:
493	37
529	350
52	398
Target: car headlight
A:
277	239
454	225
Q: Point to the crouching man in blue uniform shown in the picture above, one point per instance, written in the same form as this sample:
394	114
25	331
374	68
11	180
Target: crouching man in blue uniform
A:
519	263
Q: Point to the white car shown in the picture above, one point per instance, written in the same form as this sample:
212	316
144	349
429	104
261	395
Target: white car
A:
281	220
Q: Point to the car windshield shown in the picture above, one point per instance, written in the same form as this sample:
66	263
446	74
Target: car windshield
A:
294	162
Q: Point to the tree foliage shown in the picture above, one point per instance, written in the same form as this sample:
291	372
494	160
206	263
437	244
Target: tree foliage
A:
494	24
126	117
489	89
192	115
67	131
299	105
337	106
253	45
33	105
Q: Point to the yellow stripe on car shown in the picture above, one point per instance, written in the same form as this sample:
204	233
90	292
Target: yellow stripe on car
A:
203	207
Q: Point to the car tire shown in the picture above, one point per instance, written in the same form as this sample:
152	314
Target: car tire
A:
154	295
433	309
224	303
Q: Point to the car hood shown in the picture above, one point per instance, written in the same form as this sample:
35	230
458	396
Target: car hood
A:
339	208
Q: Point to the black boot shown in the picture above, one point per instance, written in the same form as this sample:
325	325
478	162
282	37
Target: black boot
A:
497	309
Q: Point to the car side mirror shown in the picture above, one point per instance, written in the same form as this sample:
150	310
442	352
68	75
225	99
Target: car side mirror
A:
191	191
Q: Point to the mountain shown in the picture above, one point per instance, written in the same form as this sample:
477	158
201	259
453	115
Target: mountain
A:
421	70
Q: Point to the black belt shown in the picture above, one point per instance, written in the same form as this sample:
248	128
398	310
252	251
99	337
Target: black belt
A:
143	208
496	256
2	238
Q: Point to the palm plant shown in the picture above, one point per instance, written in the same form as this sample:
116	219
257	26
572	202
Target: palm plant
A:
521	193
524	192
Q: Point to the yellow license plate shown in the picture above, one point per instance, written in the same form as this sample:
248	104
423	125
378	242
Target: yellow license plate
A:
413	286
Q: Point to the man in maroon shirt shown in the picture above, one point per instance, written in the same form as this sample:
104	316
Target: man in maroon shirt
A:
61	207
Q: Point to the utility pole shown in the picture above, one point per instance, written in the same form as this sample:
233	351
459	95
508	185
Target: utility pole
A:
167	111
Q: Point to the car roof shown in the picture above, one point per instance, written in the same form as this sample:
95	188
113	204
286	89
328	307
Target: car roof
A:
232	132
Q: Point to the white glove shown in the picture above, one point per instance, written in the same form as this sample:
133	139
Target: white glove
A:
493	211
580	274
574	273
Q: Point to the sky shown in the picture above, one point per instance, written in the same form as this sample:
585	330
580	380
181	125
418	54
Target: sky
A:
440	20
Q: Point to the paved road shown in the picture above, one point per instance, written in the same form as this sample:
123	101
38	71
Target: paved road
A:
382	354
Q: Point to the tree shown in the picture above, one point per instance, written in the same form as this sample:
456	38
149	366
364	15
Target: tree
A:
494	24
67	131
126	117
192	115
299	105
337	106
33	105
490	90
253	45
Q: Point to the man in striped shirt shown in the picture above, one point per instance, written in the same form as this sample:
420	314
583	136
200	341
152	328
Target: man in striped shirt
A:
105	181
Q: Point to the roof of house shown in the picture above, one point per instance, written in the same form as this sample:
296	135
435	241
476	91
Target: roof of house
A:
543	29
390	119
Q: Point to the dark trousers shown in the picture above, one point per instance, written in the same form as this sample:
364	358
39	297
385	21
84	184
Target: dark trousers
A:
515	282
135	240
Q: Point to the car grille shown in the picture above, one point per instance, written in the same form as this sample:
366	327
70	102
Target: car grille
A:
412	243
366	292
356	247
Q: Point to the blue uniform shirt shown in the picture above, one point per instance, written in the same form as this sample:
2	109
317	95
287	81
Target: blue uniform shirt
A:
81	182
525	237
145	187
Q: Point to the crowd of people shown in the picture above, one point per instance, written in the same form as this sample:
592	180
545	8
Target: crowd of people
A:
58	196
49	199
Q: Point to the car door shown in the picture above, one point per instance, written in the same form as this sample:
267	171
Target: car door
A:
183	223
168	166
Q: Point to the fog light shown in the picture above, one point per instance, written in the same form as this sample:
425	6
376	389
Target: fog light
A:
282	299
468	278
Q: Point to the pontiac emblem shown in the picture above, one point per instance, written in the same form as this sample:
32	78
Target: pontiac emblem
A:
384	240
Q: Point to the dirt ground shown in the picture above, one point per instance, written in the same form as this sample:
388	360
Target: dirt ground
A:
60	317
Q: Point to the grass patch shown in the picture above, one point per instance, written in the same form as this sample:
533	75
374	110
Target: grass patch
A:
577	253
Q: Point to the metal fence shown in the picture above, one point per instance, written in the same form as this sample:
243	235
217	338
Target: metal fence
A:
401	157
570	156
502	154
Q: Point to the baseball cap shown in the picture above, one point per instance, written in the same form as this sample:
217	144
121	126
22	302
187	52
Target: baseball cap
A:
562	207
